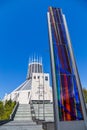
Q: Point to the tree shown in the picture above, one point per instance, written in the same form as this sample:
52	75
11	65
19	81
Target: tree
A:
85	94
6	109
1	109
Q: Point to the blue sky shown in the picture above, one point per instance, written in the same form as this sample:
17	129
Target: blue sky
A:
23	32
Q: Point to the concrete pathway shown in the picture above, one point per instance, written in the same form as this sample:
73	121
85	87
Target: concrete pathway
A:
21	125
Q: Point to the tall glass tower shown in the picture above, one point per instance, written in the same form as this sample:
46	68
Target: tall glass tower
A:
68	99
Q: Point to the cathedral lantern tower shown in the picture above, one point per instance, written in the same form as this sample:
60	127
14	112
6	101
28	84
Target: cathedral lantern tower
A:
34	66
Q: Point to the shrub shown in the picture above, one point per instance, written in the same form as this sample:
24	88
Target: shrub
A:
6	110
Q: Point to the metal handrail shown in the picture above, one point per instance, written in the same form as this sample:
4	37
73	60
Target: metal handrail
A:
32	111
14	111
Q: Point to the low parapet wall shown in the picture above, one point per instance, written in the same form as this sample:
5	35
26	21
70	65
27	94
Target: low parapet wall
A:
48	126
67	125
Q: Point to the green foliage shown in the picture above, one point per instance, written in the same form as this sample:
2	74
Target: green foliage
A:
85	94
6	109
1	110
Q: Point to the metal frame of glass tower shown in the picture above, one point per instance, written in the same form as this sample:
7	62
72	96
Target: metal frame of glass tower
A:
69	106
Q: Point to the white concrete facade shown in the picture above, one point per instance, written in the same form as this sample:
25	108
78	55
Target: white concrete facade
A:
41	89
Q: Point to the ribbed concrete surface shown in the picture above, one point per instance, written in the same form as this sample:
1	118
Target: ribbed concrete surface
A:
48	111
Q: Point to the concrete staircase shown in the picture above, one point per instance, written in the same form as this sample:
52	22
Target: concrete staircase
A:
22	120
23	113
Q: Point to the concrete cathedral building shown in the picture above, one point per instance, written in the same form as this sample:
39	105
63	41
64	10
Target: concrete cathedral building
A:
36	87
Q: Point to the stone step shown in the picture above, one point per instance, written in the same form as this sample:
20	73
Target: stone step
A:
24	107
22	116
44	109
41	112
48	111
23	127
45	114
23	113
24	104
22	119
23	110
18	122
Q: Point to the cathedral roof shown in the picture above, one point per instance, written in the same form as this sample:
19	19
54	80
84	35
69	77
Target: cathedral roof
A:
24	86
